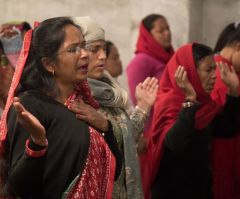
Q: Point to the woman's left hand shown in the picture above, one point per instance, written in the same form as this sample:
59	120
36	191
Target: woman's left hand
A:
230	78
87	113
146	93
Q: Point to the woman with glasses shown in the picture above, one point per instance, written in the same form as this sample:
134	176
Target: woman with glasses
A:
46	151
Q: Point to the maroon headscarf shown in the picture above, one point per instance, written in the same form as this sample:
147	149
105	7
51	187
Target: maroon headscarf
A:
166	109
147	44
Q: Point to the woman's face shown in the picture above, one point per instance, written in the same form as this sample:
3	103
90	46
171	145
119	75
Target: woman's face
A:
97	59
161	32
72	59
207	73
235	58
113	62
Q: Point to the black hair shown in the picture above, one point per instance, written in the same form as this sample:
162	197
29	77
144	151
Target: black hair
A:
26	26
46	40
1	47
109	44
200	51
229	35
150	19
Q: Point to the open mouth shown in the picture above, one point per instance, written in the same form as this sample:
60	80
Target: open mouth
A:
84	68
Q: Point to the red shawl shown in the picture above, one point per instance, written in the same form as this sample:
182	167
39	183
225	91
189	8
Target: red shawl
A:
147	44
166	109
225	152
97	178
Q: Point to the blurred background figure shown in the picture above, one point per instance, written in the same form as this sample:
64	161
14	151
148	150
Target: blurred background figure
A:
153	51
11	36
6	73
113	61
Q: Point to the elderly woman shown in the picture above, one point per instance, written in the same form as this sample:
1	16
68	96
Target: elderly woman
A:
113	101
184	121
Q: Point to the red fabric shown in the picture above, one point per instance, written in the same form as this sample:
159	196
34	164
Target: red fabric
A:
97	179
225	152
35	154
147	44
166	109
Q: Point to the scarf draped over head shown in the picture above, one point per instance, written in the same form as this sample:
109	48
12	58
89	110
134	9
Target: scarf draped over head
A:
91	30
166	109
147	44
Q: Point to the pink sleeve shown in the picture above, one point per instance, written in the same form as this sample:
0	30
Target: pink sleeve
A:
137	71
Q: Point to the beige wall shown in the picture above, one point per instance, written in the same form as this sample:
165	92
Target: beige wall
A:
190	20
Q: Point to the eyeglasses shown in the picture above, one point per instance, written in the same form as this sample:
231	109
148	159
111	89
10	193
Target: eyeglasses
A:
95	48
3	61
74	49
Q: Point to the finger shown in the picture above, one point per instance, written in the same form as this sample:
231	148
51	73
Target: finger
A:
74	107
18	107
82	117
181	72
233	69
153	82
146	82
176	75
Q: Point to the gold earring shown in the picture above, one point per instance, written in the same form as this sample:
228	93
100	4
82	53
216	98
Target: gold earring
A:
53	73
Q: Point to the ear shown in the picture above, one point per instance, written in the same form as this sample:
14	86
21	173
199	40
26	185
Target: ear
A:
47	64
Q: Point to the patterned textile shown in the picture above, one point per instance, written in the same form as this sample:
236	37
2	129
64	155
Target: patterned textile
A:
126	130
96	180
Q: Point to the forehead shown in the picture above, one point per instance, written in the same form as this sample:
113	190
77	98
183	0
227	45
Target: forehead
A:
72	35
207	62
97	43
159	23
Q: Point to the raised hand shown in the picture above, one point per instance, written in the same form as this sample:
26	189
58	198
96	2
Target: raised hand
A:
87	113
146	93
183	83
230	78
30	123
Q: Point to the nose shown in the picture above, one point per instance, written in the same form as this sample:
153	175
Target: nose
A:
84	54
102	54
214	75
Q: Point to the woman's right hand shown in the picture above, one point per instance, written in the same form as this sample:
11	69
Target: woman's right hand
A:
183	83
30	123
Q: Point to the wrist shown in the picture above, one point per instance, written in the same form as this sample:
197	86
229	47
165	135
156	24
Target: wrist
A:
40	141
191	98
144	107
105	126
146	113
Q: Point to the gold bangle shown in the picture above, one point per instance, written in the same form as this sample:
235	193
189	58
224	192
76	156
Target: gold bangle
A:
187	104
141	110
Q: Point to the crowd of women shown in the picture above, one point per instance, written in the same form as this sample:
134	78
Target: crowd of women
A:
69	130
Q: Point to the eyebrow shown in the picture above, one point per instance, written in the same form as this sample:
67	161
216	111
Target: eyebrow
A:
76	43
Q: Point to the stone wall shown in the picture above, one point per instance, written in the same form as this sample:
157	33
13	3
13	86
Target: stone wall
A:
190	20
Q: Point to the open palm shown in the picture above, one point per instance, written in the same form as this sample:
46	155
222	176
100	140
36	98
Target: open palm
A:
146	93
229	77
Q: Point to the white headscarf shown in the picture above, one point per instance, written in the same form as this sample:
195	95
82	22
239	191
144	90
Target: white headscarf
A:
91	30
